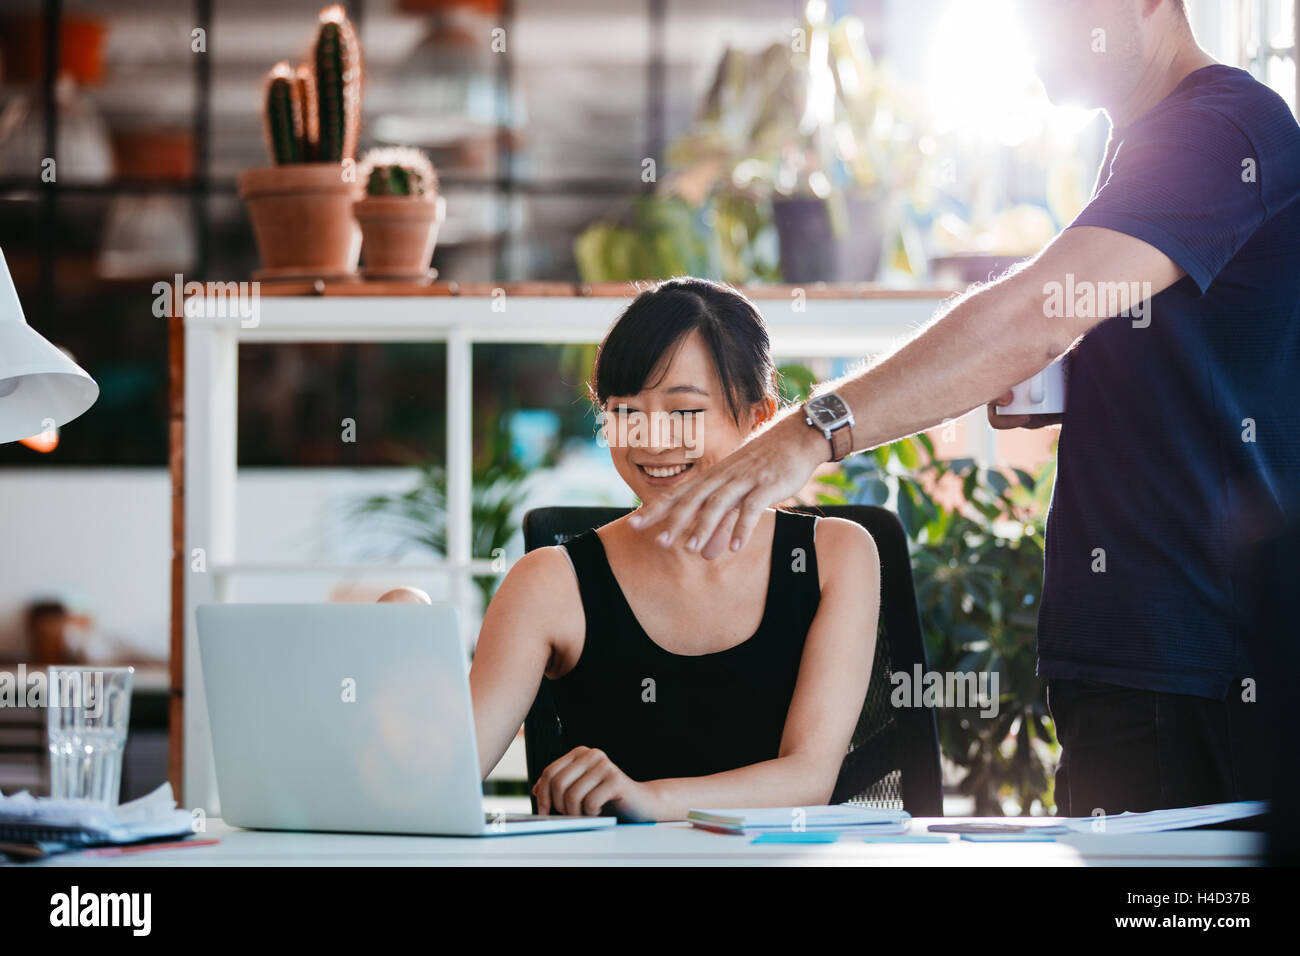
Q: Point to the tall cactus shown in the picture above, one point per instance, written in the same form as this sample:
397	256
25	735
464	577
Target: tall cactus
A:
312	113
338	86
305	81
282	122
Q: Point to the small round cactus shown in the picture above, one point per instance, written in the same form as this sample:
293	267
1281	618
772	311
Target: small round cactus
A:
398	171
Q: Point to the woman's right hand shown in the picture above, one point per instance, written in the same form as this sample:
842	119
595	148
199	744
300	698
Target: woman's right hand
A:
1003	422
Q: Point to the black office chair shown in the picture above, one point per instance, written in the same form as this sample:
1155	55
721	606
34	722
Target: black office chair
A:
893	758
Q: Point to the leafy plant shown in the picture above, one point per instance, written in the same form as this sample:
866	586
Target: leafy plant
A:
816	118
795	382
419	515
977	558
654	238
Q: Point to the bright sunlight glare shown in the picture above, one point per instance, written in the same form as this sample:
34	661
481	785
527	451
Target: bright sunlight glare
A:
980	77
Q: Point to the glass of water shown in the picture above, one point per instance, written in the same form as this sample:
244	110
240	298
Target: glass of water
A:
89	709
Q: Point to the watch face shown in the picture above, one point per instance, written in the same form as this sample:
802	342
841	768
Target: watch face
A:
826	410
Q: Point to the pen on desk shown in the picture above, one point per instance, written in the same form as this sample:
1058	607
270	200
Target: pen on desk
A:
146	847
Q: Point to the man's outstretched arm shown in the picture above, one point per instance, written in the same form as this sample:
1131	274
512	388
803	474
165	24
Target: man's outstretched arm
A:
991	339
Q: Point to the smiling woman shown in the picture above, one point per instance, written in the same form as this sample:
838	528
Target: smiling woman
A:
688	357
680	681
656	322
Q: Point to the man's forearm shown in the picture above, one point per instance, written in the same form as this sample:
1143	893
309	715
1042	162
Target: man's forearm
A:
971	354
976	350
1002	334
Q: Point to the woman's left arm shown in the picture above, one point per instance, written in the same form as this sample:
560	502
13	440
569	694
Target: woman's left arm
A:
833	676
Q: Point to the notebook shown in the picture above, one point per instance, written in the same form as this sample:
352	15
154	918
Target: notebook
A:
1180	818
842	817
38	826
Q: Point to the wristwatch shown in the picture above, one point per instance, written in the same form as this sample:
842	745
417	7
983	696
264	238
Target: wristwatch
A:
831	415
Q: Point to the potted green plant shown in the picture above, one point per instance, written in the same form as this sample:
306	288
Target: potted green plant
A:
399	214
301	206
417	517
785	174
976	539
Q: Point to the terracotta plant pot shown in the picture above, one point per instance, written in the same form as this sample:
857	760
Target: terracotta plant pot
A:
400	233
302	219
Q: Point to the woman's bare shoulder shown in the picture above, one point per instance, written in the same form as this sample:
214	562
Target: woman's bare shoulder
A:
543	574
845	550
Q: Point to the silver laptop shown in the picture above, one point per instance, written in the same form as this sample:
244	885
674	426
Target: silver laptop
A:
350	718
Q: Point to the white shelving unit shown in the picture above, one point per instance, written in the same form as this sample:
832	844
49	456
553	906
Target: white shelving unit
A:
848	327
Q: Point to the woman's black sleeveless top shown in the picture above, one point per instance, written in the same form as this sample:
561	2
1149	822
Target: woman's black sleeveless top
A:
657	714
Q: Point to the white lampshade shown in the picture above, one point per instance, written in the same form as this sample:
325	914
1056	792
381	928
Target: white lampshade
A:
38	383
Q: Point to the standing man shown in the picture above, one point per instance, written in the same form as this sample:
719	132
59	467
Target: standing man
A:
1180	440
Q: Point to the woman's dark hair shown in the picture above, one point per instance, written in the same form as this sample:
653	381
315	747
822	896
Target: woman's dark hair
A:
660	318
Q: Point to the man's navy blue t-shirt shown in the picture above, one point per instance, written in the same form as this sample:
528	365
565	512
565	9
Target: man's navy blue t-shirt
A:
1181	435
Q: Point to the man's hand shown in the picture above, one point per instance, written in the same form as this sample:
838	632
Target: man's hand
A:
720	507
1018	421
1004	422
584	780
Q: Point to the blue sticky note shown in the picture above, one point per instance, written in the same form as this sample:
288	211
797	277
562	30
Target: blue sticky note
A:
797	837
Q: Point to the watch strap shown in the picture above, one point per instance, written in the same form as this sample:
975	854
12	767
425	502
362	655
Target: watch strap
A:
841	442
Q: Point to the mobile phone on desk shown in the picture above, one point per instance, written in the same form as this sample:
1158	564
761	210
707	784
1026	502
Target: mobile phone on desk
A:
1043	828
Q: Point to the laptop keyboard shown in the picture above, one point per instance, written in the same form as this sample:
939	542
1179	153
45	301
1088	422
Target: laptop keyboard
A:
513	817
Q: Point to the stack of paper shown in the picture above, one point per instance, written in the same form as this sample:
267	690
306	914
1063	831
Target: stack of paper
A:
1155	821
844	817
38	826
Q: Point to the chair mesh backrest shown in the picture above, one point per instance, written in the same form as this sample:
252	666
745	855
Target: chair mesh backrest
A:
893	757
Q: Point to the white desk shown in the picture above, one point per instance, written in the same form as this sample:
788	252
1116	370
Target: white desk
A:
679	844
